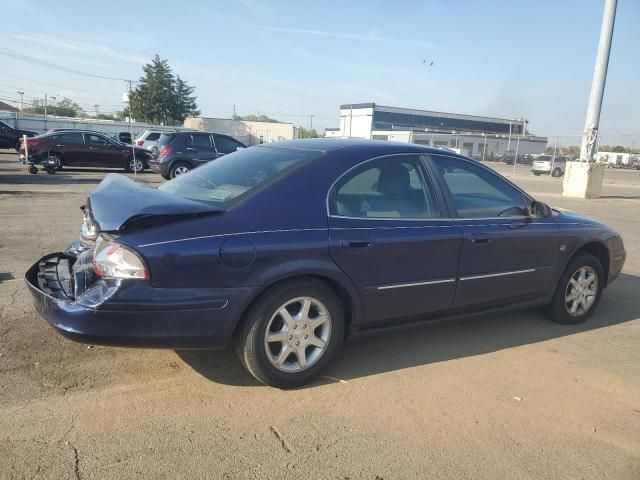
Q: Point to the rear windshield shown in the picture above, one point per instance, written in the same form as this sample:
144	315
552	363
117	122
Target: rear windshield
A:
227	180
543	158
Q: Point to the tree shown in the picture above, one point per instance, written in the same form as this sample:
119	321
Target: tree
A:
306	133
255	118
64	108
161	98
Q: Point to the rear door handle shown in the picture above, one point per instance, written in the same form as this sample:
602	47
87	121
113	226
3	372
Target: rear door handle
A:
356	244
480	238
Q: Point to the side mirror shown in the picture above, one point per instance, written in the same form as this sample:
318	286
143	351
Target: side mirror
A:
540	209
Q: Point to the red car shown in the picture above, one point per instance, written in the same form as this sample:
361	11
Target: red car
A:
82	148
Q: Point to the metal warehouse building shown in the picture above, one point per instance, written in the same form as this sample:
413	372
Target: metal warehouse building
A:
469	134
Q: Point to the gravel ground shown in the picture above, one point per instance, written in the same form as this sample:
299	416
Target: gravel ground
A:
507	396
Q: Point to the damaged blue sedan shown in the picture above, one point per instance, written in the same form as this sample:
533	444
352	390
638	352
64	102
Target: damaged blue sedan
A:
286	249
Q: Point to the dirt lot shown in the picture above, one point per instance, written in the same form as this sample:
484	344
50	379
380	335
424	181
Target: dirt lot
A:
509	396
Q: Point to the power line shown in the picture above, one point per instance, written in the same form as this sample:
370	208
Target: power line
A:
67	87
42	63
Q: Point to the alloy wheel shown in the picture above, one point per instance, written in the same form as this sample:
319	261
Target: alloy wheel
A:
297	334
135	165
181	170
581	291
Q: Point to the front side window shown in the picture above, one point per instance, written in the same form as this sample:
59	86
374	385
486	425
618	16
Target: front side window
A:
477	192
96	140
389	187
226	145
235	176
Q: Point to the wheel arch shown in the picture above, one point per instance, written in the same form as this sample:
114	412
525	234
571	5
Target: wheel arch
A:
347	294
596	248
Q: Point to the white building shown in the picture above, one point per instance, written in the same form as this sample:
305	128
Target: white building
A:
471	135
247	132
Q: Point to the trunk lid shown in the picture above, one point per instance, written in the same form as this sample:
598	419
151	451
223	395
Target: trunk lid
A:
118	200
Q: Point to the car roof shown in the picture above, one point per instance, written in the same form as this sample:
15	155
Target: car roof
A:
373	146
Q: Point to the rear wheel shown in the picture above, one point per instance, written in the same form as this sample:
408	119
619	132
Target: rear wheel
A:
179	168
291	334
556	172
578	291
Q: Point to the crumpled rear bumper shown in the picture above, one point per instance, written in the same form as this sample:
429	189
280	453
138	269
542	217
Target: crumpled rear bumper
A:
130	313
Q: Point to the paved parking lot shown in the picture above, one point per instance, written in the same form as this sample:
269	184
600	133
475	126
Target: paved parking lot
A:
508	396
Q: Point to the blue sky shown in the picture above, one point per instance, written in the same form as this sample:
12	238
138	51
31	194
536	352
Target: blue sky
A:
290	59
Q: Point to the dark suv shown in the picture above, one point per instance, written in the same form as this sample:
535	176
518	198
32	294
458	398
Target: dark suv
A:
179	152
84	148
10	137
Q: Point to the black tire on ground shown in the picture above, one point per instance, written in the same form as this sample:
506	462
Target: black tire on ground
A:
176	167
556	172
33	170
59	159
558	310
536	174
250	337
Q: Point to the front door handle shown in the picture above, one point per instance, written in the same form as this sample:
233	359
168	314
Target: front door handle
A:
480	238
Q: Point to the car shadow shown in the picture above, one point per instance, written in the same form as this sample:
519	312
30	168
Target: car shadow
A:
386	352
69	177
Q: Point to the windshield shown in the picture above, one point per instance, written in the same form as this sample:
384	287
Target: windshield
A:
227	180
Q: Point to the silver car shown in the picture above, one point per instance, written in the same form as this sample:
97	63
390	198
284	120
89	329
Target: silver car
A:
148	139
548	165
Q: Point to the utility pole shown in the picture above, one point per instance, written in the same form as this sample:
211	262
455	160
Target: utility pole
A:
45	111
234	111
96	105
21	93
311	122
590	136
584	178
53	97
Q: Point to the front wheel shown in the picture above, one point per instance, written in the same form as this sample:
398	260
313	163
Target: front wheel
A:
556	173
578	291
135	165
291	334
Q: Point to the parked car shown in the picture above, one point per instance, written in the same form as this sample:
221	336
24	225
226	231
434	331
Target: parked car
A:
509	157
549	165
10	137
148	139
179	152
284	249
123	137
84	148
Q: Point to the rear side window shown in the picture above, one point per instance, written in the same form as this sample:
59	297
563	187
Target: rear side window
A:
235	176
198	140
166	138
71	138
153	136
389	187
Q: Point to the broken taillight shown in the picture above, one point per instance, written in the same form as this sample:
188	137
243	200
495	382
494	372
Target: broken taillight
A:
164	152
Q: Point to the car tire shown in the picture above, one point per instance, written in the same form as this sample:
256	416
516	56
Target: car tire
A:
572	283
298	351
58	159
179	168
556	172
536	174
134	167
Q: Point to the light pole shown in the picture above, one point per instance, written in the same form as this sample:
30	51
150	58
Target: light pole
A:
21	93
53	97
581	179
96	105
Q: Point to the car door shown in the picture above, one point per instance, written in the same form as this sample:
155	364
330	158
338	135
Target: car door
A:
200	148
100	154
391	234
72	147
506	254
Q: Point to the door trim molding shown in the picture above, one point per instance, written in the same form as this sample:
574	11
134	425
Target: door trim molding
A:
416	284
499	274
